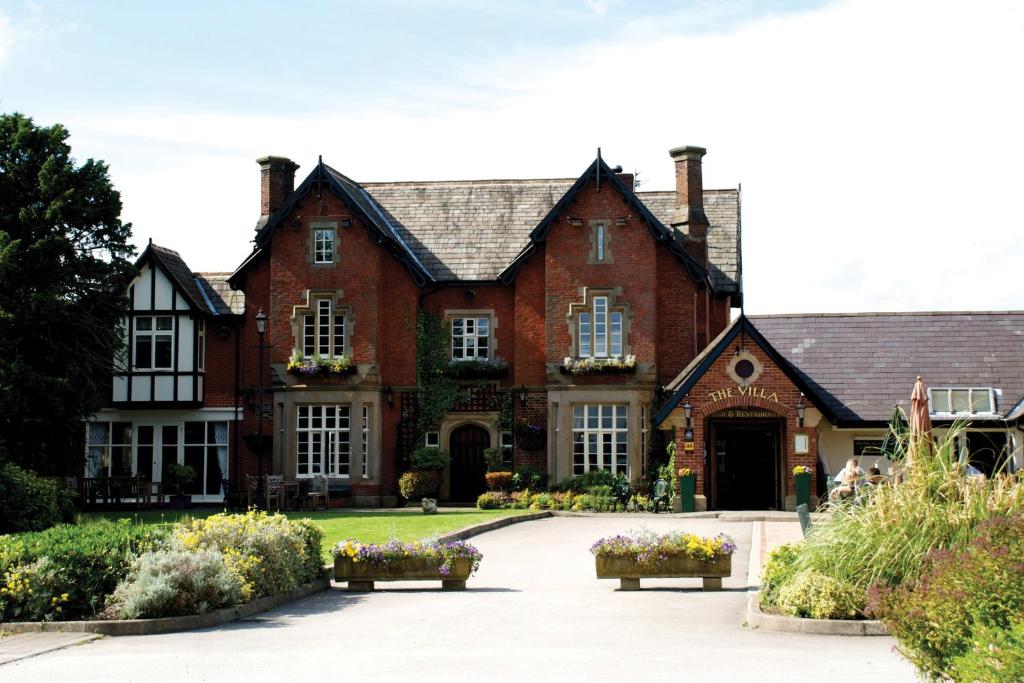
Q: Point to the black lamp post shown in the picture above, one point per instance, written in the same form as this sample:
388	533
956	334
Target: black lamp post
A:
261	329
800	408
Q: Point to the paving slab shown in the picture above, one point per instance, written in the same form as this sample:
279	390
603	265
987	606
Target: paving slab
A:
24	645
535	612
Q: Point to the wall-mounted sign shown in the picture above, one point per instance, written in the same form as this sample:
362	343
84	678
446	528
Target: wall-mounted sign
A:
801	443
741	391
688	446
746	412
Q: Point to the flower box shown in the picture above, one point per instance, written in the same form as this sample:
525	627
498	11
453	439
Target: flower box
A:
673	555
477	369
591	366
362	575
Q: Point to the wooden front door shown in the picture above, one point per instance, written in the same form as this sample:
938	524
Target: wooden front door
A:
468	466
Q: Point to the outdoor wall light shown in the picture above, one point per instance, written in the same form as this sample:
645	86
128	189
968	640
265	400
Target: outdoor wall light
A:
687	412
800	408
522	396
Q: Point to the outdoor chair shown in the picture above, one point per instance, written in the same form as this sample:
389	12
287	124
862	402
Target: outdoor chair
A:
660	495
273	490
253	494
317	493
621	493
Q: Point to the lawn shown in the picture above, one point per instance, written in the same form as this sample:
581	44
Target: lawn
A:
368	526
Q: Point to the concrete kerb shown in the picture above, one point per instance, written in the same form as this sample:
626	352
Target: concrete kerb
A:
477	529
756	619
145	627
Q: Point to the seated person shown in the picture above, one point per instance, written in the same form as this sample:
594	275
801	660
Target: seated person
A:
847	478
875	476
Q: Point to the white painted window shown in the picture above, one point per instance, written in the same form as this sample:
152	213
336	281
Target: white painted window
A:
505	444
471	338
961	401
154	342
366	442
323	331
323	245
600	331
600	241
109	449
432	439
206	451
322	432
201	346
599	438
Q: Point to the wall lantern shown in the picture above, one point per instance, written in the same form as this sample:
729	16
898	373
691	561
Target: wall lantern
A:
522	396
800	408
688	412
261	322
389	396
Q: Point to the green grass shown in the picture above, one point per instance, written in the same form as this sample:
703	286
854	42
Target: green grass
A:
368	526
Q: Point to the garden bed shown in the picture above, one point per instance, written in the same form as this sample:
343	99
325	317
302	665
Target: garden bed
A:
781	623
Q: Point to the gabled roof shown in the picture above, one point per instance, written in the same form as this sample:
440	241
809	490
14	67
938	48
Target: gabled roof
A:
207	293
598	172
864	363
692	373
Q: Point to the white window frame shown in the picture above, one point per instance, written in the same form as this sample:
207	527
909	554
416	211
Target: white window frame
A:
152	334
432	439
600	330
201	345
468	346
971	392
323	329
323	442
324	238
600	241
507	448
367	419
600	437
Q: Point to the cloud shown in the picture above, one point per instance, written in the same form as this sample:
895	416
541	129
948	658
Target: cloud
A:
877	143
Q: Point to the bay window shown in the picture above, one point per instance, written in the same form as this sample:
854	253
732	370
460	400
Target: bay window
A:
324	444
154	342
599	438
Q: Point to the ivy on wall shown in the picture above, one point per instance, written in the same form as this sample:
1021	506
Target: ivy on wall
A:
437	391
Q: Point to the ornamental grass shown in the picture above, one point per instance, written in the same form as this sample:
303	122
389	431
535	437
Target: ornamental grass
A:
648	548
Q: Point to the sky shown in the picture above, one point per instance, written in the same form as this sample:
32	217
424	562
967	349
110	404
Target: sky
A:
878	144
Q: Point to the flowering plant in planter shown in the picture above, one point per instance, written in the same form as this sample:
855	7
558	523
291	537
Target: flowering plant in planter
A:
319	367
597	366
684	472
801	469
648	548
394	552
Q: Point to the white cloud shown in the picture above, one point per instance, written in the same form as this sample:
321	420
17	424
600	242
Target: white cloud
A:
878	145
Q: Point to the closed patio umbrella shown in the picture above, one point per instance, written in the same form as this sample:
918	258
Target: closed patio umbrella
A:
920	423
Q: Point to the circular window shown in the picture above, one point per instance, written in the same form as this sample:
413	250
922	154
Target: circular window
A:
745	369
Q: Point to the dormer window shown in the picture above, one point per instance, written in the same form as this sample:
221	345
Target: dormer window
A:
961	401
154	342
599	330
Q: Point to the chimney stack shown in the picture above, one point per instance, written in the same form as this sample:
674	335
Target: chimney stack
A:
277	180
689	216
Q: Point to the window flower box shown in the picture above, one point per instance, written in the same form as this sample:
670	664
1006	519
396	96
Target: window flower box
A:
598	366
320	367
673	555
477	368
362	564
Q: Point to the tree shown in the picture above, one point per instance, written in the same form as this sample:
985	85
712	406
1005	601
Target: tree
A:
63	272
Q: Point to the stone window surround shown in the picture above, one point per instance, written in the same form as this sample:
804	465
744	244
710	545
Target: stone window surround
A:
321	224
308	307
286	405
492	338
743	354
592	255
587	294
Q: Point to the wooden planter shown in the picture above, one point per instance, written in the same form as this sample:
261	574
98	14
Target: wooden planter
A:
362	575
679	565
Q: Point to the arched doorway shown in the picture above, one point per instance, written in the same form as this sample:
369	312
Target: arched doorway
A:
467	444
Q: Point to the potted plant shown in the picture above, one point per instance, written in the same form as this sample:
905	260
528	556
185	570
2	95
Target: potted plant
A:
630	557
802	479
687	488
177	478
423	480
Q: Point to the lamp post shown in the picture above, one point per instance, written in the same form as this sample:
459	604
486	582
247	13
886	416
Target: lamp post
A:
261	329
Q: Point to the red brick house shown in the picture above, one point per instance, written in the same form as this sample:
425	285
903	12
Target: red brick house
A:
541	274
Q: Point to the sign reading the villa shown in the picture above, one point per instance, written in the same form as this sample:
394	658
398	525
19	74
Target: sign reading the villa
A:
741	391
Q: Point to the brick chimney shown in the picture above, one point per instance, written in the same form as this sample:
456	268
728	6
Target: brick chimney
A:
277	180
689	216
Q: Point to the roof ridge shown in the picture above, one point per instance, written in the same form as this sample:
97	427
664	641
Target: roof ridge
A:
479	181
864	314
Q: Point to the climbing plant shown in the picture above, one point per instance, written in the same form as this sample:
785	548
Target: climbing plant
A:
437	392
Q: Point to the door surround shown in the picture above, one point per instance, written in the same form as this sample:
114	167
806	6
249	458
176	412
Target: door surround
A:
451	422
778	425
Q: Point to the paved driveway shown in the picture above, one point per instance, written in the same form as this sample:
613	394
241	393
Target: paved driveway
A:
534	612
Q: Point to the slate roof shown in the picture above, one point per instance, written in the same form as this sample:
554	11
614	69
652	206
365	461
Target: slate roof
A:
225	300
862	364
206	292
722	207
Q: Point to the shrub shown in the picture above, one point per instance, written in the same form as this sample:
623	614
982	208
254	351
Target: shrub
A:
428	458
268	553
498	481
83	564
29	502
171	583
419	484
520	499
818	596
529	478
996	654
579	483
778	570
541	501
960	597
490	500
492	456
